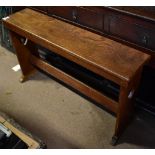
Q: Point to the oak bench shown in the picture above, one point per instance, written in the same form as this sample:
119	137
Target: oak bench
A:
104	57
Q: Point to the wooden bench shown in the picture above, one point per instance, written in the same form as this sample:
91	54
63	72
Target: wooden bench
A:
104	57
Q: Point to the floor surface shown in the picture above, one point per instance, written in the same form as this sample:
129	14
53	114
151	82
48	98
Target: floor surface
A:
61	117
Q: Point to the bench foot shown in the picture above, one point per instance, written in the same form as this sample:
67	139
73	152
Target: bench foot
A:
114	140
22	79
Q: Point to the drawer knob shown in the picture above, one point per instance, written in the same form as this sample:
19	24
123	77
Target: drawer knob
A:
145	40
74	15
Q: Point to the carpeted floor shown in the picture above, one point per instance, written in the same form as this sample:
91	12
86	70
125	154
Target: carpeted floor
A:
62	118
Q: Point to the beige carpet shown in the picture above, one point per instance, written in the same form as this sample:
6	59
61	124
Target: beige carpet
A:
62	118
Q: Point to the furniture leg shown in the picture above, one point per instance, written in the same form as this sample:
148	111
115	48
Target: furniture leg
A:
126	106
23	54
124	114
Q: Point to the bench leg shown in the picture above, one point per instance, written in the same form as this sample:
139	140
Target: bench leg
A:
124	114
126	107
23	54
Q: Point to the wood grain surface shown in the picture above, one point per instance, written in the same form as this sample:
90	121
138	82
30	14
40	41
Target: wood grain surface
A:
90	50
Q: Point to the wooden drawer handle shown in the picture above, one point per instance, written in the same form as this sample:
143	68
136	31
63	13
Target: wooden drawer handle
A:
74	15
145	39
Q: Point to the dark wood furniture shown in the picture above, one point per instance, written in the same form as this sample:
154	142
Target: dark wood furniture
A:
107	58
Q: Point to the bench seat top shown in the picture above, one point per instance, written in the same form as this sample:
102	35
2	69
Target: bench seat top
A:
98	53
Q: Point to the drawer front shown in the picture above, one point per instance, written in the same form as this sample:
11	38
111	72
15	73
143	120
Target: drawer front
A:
66	12
151	39
90	18
132	32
